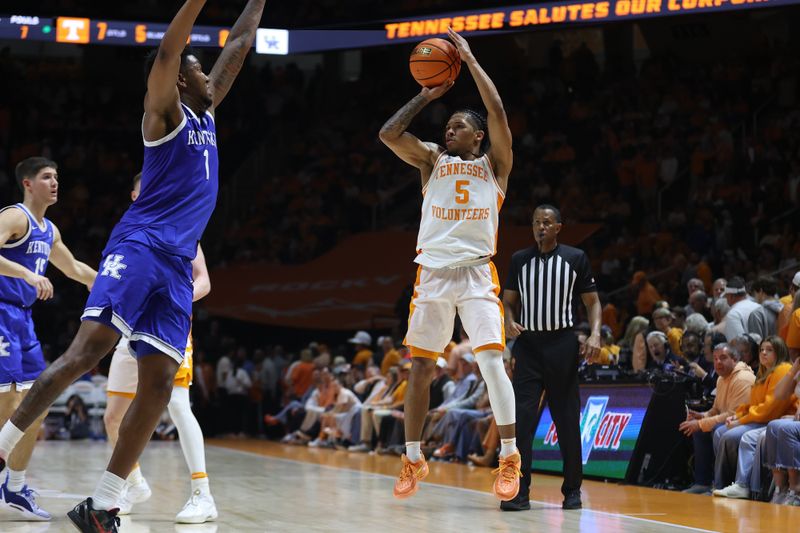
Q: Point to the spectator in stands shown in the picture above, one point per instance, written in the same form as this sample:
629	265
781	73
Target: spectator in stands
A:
733	389
455	421
646	293
692	286
698	303
709	377
747	345
609	353
741	307
762	408
390	356
696	323
335	423
788	306
77	418
236	404
663	321
678	317
391	394
362	342
782	444
661	355
633	349
464	393
793	329
692	348
300	374
718	288
719	311
442	385
764	319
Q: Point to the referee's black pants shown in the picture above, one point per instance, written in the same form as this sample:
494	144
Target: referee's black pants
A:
547	361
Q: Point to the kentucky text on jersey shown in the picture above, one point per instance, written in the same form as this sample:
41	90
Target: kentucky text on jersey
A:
38	247
178	191
202	137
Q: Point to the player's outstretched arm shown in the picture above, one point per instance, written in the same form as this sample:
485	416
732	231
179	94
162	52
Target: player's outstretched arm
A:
499	132
14	225
200	278
63	260
238	44
162	90
404	144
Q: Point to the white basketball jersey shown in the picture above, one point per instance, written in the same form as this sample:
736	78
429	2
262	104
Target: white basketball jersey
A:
460	212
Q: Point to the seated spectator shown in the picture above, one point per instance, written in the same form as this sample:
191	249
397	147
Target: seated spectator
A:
299	375
763	321
788	306
697	323
646	294
362	342
336	421
782	444
741	307
719	310
678	317
321	398
633	351
718	289
793	329
733	389
698	303
753	416
294	407
490	444
390	356
392	393
442	385
609	353
747	345
77	419
709	376
663	321
660	351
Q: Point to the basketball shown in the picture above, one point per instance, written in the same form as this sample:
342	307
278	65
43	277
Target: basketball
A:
434	61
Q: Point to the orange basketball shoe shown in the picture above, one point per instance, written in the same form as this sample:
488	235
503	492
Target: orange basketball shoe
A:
406	484
506	486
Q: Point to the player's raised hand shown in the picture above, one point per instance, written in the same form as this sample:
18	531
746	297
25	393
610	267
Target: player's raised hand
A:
460	43
44	289
432	93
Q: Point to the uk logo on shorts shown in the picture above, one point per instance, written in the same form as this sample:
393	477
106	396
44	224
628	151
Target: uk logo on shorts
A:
112	265
4	347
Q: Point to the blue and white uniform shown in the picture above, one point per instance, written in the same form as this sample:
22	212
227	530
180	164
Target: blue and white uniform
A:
144	284
21	358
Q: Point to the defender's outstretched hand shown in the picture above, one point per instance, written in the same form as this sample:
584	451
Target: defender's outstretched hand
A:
460	43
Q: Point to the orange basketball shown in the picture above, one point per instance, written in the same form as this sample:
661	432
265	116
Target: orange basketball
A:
434	61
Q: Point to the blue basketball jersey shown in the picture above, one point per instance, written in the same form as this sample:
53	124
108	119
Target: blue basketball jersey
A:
31	251
178	190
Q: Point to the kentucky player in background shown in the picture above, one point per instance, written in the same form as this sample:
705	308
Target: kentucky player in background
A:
463	187
28	241
144	289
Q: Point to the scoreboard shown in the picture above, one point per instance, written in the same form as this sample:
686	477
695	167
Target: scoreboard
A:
544	15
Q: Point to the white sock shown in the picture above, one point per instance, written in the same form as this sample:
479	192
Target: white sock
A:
413	452
135	477
107	491
499	387
10	435
508	447
16	480
201	484
189	432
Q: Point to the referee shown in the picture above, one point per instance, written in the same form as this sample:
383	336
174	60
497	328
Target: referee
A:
543	283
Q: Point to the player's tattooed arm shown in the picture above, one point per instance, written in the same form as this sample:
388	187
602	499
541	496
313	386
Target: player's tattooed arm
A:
405	145
238	44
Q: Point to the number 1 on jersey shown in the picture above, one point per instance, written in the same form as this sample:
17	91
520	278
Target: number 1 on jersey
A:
205	154
462	193
41	265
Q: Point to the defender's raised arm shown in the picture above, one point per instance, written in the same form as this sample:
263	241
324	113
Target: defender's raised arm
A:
238	44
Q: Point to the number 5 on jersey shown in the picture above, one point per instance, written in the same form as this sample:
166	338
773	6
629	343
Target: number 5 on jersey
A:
462	193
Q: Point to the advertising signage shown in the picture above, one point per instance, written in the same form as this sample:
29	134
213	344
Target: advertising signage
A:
611	419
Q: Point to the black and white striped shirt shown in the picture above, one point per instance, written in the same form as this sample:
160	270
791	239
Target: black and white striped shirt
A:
549	285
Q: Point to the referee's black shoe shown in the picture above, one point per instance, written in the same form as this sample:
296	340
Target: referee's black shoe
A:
572	500
520	502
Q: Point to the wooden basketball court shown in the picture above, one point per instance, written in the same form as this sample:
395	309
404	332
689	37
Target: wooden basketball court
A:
265	486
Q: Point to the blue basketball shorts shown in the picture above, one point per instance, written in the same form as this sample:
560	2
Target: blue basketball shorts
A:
21	357
146	295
